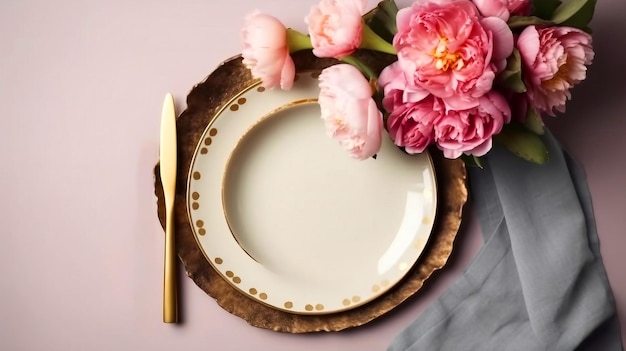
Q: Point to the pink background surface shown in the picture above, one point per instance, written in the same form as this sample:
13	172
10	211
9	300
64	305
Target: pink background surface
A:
81	87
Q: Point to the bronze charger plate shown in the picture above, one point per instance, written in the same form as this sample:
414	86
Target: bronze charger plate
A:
203	103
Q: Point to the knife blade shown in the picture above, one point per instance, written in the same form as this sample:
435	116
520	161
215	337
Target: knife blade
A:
167	166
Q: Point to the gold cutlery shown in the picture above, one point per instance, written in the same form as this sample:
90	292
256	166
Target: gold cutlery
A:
167	165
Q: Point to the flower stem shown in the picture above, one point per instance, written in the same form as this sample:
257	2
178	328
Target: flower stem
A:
373	41
365	69
298	41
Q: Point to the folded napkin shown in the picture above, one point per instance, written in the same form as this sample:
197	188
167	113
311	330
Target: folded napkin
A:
538	282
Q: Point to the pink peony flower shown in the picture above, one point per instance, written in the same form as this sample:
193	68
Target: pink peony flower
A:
411	124
392	78
412	111
445	48
335	27
265	51
470	131
349	112
503	8
555	59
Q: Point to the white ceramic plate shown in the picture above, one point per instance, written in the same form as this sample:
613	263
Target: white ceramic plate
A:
289	219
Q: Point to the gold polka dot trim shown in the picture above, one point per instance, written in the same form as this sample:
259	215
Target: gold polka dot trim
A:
208	141
200	223
234	107
196	175
201	231
252	291
263	296
346	302
241	101
230	274
319	307
195	205
218	260
236	280
375	288
308	307
384	283
288	304
213	132
204	150
195	196
260	89
356	299
419	244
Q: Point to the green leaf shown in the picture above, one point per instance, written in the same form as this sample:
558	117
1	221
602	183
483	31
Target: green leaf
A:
382	20
568	9
472	161
544	8
533	121
514	62
506	74
389	7
516	22
582	18
379	28
523	143
514	83
511	77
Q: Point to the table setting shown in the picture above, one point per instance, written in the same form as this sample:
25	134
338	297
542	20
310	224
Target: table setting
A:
343	175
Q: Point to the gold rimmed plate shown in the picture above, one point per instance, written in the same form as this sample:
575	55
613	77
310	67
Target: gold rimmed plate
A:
289	219
265	225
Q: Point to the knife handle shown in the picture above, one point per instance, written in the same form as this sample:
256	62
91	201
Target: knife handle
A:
170	300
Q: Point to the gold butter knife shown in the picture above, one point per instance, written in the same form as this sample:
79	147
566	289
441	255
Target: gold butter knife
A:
167	165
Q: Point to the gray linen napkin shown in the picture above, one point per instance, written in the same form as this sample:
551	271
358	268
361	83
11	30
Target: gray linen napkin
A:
538	282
